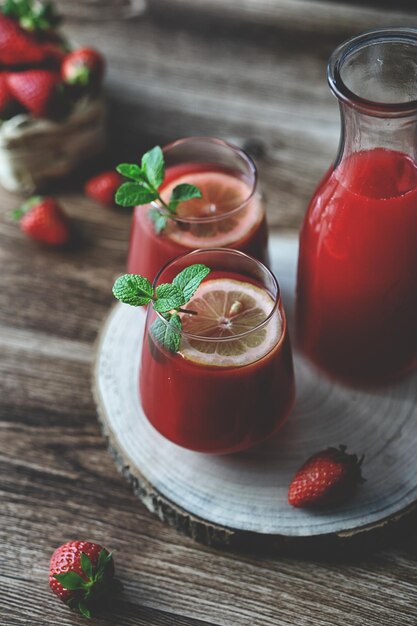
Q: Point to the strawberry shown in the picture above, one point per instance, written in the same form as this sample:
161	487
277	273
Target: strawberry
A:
6	99
36	90
81	575
18	47
84	66
103	187
326	478
42	219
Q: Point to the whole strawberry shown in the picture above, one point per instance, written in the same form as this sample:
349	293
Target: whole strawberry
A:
42	219
81	574
84	67
328	477
103	187
17	46
36	90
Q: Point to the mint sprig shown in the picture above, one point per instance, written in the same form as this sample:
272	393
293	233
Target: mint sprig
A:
167	299
147	178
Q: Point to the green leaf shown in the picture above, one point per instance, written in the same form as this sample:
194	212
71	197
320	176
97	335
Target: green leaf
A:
83	609
131	170
86	565
181	193
103	558
133	194
70	580
168	297
159	220
154	166
133	289
190	278
168	334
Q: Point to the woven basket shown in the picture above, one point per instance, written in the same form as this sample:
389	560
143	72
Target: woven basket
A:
35	151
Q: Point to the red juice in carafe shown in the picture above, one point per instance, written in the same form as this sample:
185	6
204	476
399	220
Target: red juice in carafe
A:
357	272
230	214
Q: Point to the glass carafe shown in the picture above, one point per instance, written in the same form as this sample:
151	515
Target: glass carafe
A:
357	271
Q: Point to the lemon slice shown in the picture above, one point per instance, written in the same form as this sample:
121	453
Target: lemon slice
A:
221	194
225	308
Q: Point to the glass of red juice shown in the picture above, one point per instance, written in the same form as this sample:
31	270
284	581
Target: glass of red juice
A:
231	383
357	272
229	214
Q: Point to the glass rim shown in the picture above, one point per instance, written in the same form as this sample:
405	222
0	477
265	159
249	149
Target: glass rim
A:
244	156
354	44
276	298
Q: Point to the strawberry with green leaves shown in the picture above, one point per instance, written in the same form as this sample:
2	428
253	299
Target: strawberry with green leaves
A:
83	67
23	25
18	47
327	478
35	16
42	219
81	574
145	182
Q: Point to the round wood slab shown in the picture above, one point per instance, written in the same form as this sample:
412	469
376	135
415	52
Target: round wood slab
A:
219	498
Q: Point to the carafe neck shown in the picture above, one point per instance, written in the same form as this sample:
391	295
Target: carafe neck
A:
373	77
363	132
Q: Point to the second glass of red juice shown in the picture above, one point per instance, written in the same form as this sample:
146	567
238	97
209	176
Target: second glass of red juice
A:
231	383
229	214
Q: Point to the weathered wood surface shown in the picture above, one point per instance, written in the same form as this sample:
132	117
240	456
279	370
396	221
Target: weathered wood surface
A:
256	78
167	77
244	497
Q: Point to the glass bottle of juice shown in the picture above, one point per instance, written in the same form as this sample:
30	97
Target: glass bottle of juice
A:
357	271
229	214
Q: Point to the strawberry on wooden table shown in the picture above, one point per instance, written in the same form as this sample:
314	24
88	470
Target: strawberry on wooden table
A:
103	187
42	219
81	574
326	478
84	66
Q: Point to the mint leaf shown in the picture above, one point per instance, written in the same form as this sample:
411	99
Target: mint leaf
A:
168	334
168	297
132	194
159	220
189	279
181	193
70	580
131	170
133	289
153	166
86	565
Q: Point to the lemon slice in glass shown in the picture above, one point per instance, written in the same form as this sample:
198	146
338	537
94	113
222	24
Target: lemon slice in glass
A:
221	194
229	324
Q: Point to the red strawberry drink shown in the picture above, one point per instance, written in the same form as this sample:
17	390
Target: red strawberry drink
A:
357	271
230	383
229	213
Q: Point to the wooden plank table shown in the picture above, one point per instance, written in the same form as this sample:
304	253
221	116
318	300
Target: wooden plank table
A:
255	77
